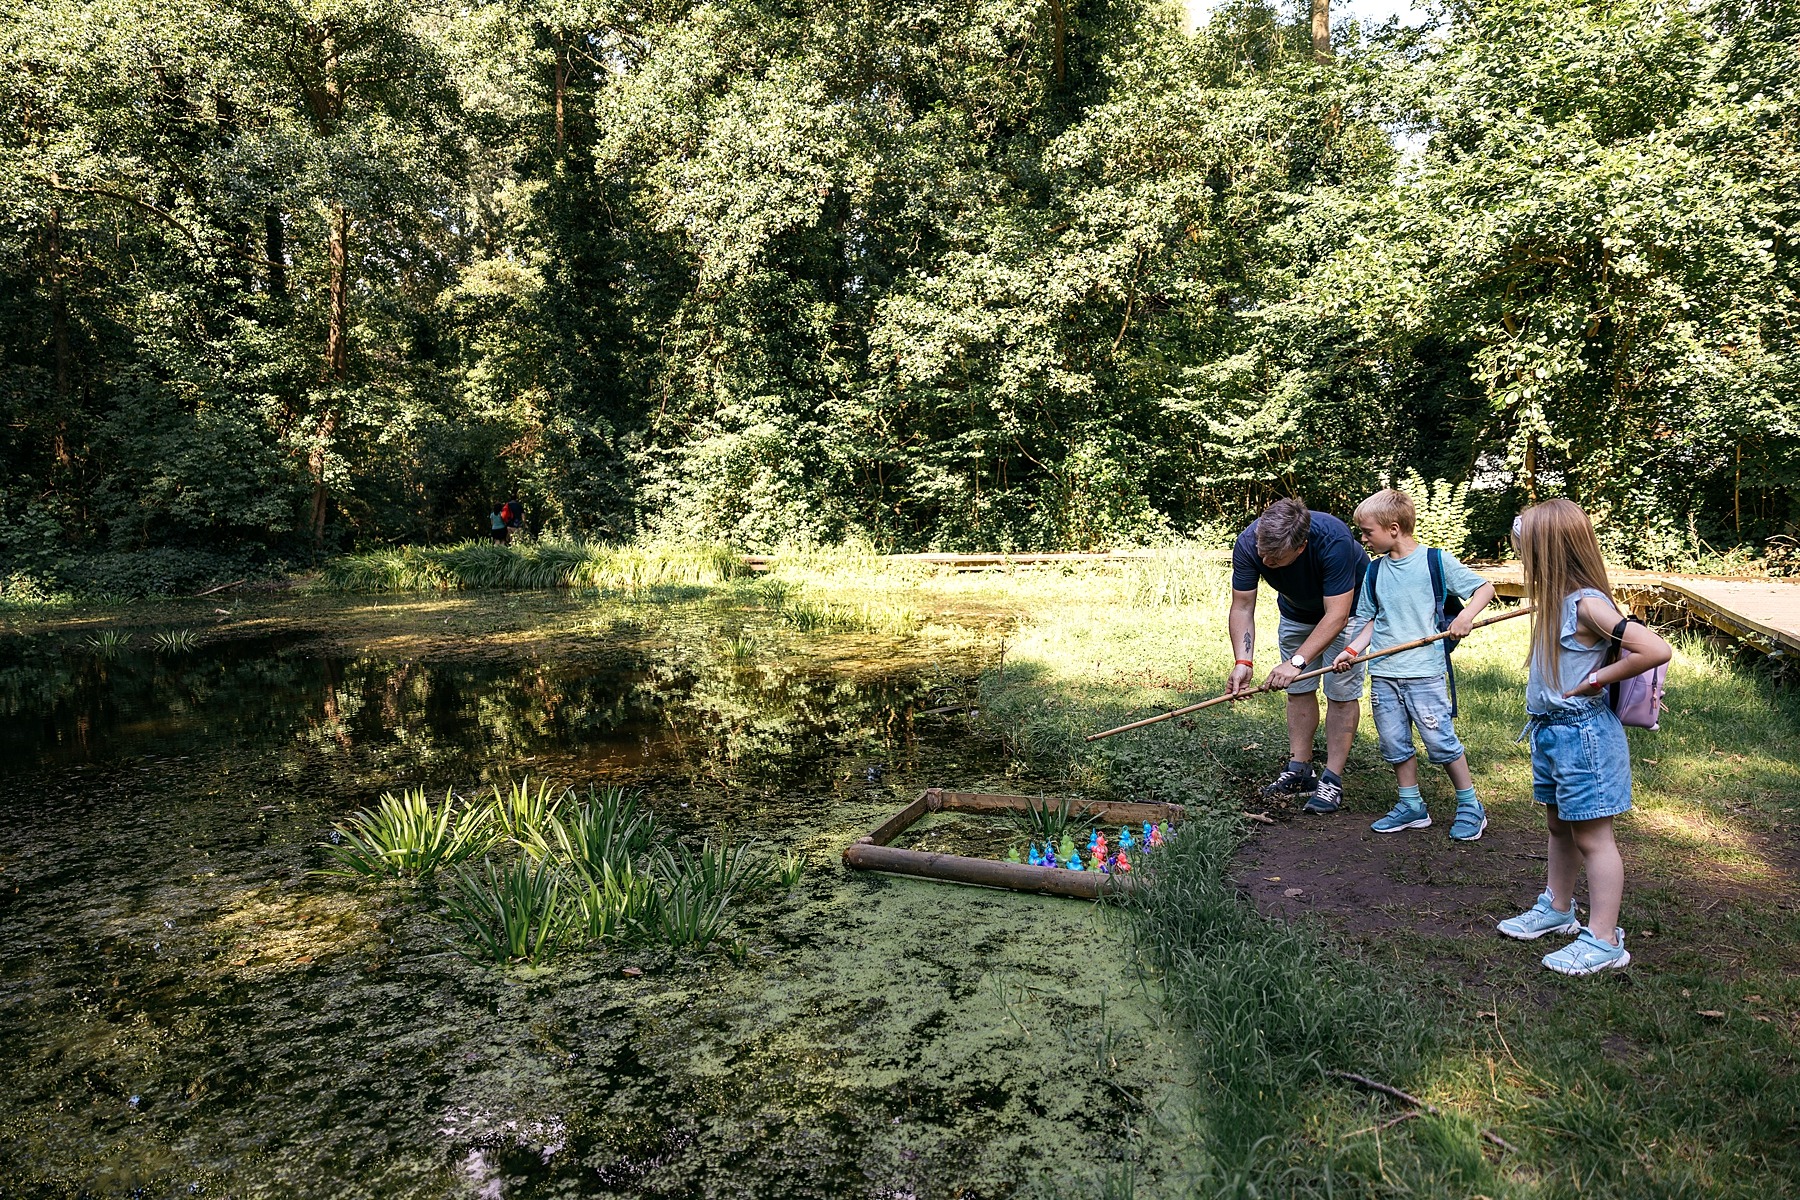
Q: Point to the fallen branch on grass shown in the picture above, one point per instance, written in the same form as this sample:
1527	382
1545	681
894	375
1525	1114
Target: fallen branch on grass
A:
1408	1098
209	591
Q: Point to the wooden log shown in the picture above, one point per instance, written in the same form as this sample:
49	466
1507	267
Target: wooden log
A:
1103	810
897	824
982	872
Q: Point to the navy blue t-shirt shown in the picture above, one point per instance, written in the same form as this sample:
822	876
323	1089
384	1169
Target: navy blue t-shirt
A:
1332	564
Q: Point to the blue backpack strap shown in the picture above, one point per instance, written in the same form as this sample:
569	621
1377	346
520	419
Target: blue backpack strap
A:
1369	583
1434	559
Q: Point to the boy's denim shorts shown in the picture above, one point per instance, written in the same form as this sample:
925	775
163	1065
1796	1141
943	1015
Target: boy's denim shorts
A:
1581	763
1402	705
1347	686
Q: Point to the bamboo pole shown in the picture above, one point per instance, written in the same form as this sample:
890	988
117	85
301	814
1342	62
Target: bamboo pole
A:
1228	696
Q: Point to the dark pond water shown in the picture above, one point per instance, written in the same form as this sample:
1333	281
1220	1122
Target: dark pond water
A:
187	1008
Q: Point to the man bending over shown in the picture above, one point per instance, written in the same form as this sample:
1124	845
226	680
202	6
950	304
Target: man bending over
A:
1315	567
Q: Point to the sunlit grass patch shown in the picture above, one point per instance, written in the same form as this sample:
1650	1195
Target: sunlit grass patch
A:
548	563
810	615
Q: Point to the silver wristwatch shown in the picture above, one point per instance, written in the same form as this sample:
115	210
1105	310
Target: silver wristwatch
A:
1299	660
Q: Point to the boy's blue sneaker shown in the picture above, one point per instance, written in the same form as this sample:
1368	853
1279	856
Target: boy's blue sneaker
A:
1587	955
1326	800
1404	815
1539	919
1470	823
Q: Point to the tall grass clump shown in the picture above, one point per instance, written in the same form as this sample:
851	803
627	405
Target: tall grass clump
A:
546	563
557	871
1272	1007
523	811
1047	820
821	616
1178	575
606	830
408	836
513	913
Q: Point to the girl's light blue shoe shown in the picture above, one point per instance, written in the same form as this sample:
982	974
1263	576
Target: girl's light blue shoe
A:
1404	815
1539	919
1587	954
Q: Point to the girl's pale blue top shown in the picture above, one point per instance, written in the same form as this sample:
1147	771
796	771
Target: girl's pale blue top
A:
1574	664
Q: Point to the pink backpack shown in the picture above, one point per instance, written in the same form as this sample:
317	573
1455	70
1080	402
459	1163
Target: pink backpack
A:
1637	700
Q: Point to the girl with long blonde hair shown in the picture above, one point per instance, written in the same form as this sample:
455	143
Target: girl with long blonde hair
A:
1580	760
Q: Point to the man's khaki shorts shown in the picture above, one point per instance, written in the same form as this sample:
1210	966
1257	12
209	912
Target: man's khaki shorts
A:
1349	685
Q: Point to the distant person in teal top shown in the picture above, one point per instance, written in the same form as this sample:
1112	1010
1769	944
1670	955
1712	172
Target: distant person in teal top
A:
1315	567
1410	690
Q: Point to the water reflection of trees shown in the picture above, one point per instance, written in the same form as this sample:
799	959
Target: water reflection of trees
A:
689	708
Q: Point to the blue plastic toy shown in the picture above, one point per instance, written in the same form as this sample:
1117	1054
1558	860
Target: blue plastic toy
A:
1125	842
1075	863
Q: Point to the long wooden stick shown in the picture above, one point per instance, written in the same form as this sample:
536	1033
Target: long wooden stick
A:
1229	696
1373	1085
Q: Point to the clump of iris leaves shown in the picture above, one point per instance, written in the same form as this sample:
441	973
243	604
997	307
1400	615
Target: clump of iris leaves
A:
536	870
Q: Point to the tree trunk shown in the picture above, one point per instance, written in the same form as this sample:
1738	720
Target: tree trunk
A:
275	251
562	85
337	363
1321	31
1060	21
59	333
1530	468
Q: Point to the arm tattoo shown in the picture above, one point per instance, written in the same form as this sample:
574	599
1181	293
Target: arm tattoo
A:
1246	643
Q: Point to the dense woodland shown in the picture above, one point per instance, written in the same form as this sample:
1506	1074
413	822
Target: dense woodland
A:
283	277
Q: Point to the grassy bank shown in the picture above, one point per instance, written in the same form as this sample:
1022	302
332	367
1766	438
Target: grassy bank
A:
541	564
1675	1078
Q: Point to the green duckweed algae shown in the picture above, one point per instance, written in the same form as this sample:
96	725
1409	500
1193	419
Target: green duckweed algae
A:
191	1009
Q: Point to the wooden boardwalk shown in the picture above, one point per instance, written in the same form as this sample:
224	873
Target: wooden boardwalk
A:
1762	613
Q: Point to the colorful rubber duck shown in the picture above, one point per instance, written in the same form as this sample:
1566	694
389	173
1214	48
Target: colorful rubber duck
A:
1093	836
1125	838
1156	835
1122	864
1074	863
1012	854
1066	851
1098	849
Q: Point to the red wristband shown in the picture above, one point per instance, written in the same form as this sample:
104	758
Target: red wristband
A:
1352	652
1244	662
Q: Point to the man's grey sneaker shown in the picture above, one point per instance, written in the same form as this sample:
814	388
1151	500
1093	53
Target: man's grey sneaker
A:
1471	821
1407	814
1327	799
1587	955
1539	919
1291	783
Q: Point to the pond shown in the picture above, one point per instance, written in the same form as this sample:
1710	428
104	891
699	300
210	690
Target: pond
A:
189	1008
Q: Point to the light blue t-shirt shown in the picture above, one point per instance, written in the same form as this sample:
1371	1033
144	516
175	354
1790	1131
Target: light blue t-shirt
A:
1575	662
1409	612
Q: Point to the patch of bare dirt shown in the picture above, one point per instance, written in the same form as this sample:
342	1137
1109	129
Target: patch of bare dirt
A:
1365	885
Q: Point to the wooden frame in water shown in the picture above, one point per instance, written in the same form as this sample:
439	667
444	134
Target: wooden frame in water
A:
873	853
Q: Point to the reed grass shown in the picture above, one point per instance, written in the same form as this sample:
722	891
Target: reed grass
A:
689	915
547	563
514	913
820	616
1048	821
108	643
175	641
605	831
523	811
409	836
610	905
